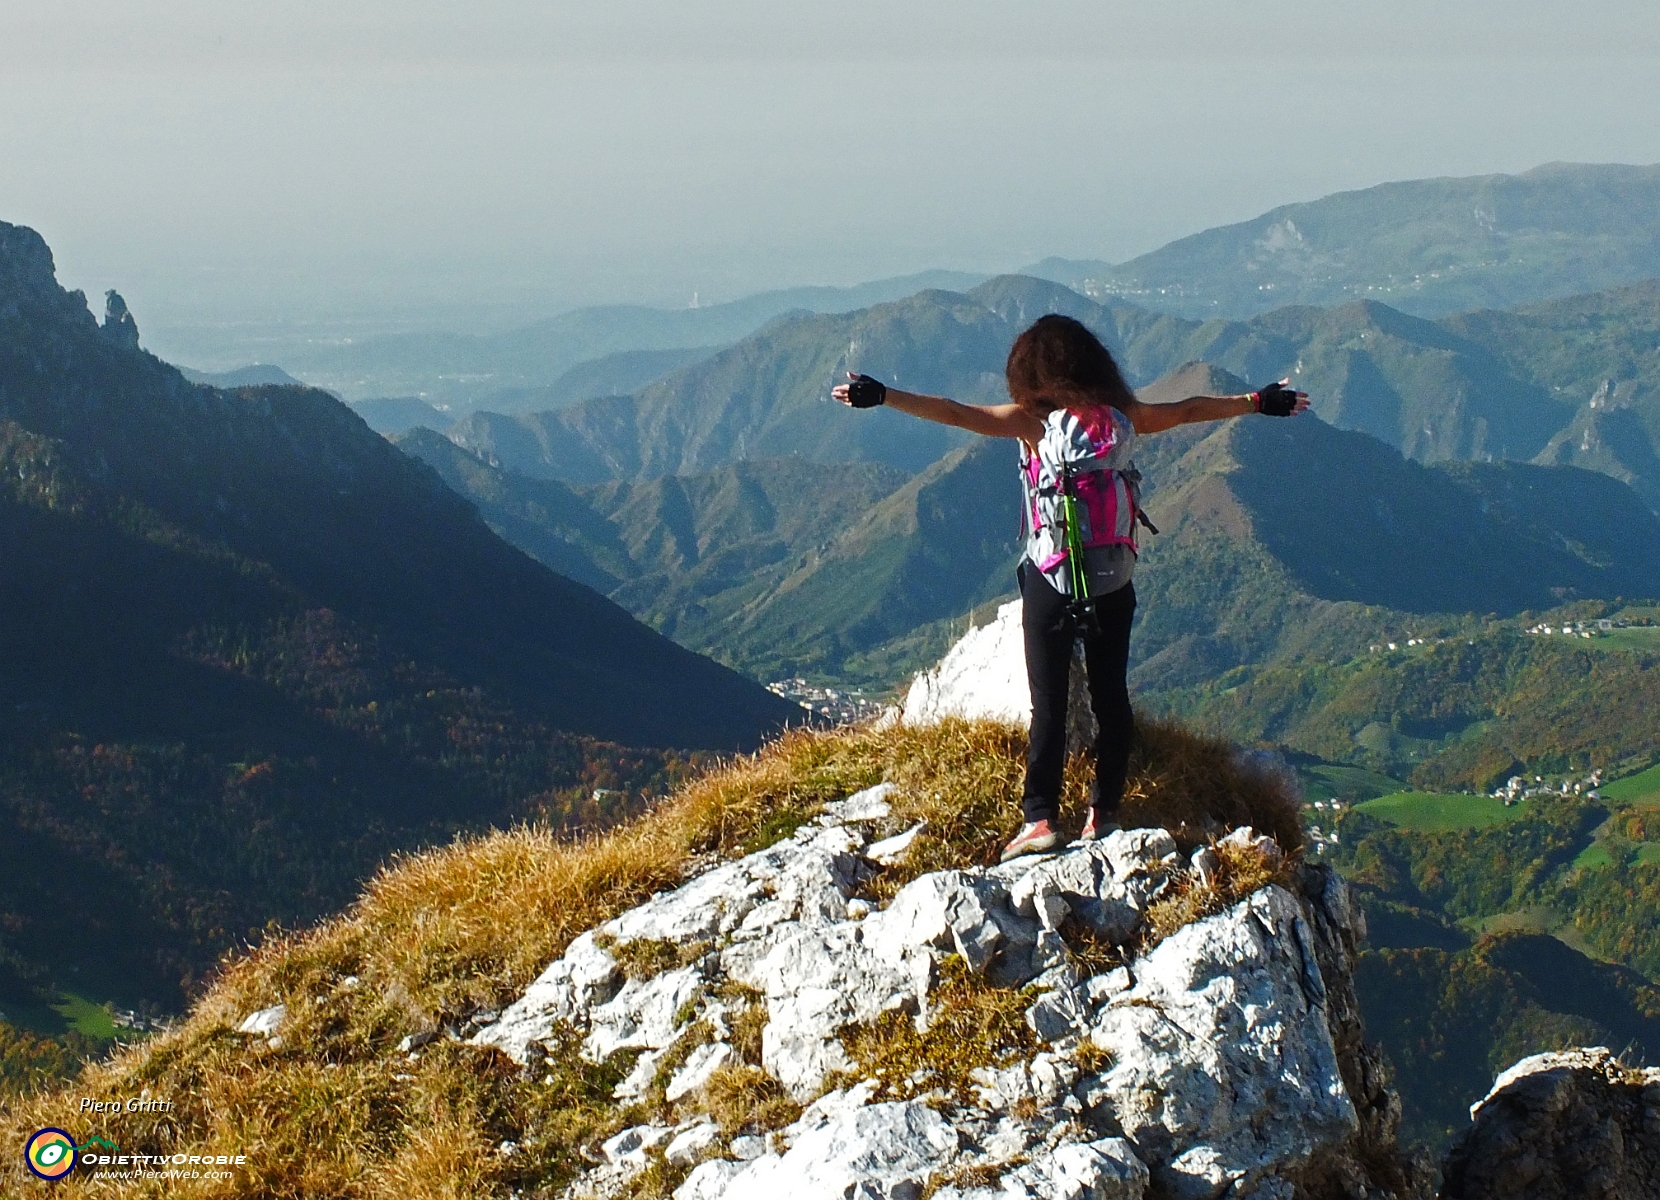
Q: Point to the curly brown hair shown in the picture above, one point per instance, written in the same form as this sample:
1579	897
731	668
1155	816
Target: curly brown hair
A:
1059	363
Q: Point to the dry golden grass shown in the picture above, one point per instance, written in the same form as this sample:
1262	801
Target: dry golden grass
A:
1092	1058
1091	953
658	1179
646	958
335	1111
742	1098
1199	788
1240	871
981	1175
746	1020
971	1024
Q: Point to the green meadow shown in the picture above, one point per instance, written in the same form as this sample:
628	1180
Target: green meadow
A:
1634	789
84	1016
1329	781
1430	812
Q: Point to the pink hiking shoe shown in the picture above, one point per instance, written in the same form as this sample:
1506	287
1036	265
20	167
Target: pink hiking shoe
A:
1034	838
1097	827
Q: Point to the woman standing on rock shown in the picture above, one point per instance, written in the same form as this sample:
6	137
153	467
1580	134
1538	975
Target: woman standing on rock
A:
1077	422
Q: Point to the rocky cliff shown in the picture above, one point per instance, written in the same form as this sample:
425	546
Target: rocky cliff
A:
1018	1030
1578	1124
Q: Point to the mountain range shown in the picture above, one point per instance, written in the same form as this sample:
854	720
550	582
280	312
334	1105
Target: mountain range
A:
248	649
1429	247
458	369
1426	246
1569	382
868	588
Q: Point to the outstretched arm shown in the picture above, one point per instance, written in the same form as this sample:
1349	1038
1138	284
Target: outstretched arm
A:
991	420
1277	399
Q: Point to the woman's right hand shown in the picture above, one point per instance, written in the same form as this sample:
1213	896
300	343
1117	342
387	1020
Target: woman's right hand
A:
861	391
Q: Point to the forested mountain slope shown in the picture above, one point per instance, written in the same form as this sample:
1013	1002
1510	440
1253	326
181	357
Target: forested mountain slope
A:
247	649
1279	537
1481	387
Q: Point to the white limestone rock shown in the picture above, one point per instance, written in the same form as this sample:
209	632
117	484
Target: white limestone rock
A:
708	1180
1246	838
950	911
1101	988
645	1014
868	805
890	850
816	869
631	1147
1105	884
1046	1081
1103	1170
1223	1070
687	1146
586	975
637	1083
805	879
264	1023
878	1151
696	1070
1058	1015
982	676
816	980
820	978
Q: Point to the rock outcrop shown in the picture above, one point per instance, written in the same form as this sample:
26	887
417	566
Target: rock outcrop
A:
1573	1125
1225	1060
119	326
982	675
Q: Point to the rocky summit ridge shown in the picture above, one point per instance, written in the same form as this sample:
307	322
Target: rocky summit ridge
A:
1226	1059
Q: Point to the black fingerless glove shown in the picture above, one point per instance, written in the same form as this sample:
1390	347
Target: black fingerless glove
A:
1275	400
865	392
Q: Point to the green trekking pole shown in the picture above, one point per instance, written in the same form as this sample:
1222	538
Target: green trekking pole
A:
1082	608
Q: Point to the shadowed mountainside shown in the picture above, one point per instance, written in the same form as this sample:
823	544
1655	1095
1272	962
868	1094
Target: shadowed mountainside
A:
248	649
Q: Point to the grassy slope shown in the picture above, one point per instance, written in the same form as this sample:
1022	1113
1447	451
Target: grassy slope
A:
1430	811
1462	714
1643	787
445	933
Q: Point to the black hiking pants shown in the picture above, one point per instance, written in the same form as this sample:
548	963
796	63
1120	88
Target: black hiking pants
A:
1049	637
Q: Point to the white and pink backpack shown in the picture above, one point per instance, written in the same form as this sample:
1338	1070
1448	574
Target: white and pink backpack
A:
1086	456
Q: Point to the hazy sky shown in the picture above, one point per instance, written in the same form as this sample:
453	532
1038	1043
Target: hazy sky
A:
478	161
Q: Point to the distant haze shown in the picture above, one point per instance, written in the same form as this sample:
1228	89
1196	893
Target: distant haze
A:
401	164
